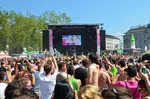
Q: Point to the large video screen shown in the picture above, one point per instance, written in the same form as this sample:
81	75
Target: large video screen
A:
71	40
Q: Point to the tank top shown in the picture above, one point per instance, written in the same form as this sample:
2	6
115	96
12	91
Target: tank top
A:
75	84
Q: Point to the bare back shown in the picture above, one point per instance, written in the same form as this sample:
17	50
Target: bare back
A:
103	79
93	74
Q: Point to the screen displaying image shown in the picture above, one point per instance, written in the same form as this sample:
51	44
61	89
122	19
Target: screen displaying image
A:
69	40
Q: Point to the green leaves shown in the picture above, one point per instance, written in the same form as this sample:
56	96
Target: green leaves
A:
56	18
18	31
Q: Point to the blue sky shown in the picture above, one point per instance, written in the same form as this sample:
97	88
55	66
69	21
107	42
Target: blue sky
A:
116	15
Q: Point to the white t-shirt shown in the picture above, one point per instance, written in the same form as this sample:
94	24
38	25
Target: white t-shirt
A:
2	90
76	66
47	85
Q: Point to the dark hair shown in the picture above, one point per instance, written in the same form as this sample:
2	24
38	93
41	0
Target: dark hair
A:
15	90
29	68
93	58
146	57
142	84
60	65
2	75
84	62
2	62
131	71
101	64
63	90
47	68
3	69
122	63
70	70
114	60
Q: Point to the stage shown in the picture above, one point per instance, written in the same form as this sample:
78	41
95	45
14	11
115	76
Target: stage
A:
79	39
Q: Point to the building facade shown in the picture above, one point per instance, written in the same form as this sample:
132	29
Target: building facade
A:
112	42
141	35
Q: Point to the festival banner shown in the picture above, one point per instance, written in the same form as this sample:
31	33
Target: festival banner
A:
98	41
50	41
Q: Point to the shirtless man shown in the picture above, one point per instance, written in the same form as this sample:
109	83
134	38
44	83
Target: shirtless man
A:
104	80
93	70
122	73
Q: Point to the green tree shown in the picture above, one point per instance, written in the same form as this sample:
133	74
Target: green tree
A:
57	18
3	30
25	32
18	31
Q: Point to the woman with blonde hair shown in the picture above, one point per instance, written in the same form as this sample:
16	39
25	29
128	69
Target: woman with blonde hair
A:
89	92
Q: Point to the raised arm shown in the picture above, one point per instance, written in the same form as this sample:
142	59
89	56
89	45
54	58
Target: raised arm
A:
5	62
33	79
8	77
146	79
108	62
16	71
42	65
54	63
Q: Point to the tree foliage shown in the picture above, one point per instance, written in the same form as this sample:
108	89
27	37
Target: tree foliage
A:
57	18
18	31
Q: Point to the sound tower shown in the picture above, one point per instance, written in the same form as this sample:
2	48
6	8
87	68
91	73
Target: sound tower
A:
45	40
102	40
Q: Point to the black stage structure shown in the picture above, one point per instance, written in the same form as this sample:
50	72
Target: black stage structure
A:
92	39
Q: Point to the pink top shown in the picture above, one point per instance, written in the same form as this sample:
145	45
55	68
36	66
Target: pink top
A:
132	86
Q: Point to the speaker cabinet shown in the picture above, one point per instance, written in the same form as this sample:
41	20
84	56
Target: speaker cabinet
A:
102	40
45	40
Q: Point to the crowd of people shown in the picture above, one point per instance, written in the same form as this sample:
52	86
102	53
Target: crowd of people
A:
76	77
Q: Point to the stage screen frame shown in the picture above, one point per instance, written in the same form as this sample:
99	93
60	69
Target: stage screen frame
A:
71	40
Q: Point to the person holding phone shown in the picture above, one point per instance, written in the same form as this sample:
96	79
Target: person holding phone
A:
131	84
145	77
143	89
145	62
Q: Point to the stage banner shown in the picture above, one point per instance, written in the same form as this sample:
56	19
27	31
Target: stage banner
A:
50	41
98	41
